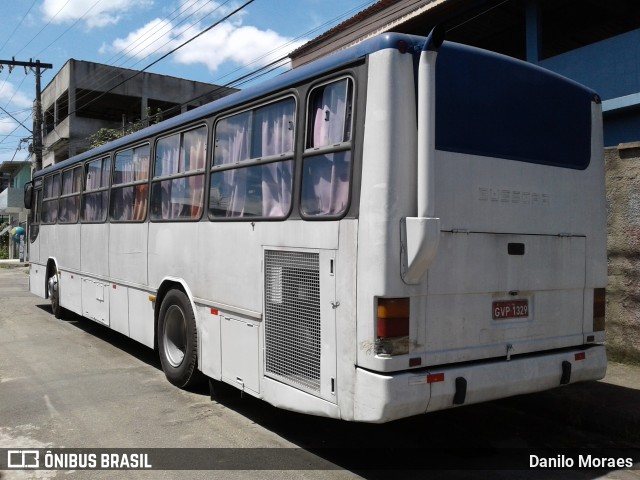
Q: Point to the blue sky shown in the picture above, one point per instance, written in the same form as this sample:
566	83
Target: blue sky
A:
134	33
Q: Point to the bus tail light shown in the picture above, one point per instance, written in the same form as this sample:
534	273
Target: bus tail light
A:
599	308
393	326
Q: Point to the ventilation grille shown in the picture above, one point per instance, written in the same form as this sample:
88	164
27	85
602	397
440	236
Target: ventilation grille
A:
292	317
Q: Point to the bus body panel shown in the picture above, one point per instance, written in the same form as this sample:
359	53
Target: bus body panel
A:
37	279
141	316
94	243
70	288
128	252
388	190
412	393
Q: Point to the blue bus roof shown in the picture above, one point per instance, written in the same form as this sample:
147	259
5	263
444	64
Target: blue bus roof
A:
280	82
290	78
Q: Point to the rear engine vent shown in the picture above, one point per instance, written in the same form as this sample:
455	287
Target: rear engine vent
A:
292	318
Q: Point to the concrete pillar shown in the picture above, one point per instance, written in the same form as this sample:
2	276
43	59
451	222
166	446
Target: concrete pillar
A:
532	21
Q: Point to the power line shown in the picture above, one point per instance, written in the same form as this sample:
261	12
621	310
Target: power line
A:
106	77
41	30
170	52
18	25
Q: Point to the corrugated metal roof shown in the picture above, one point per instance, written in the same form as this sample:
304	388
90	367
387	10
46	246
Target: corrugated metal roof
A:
356	19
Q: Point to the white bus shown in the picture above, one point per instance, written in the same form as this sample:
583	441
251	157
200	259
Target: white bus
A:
401	227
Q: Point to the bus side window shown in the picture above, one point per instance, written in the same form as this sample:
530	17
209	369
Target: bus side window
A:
50	199
326	175
177	190
34	227
242	187
96	188
70	198
129	193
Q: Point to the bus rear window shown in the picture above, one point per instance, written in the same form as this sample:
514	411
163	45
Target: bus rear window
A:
495	106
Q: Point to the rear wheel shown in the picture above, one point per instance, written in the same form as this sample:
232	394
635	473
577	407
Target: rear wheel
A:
178	340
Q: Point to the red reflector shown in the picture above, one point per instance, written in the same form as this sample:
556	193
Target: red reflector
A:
435	377
214	311
415	361
580	356
113	286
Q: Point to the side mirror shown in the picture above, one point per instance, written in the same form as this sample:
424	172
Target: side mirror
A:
28	195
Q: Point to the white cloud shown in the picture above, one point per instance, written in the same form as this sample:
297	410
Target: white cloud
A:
144	41
18	99
94	13
7	126
227	42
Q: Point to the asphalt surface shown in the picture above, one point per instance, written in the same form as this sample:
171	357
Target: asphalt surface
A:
73	383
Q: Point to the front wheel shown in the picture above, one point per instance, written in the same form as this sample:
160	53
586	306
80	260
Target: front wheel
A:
53	286
178	340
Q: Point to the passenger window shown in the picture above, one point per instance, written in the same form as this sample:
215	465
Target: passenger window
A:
50	199
177	190
326	174
130	190
253	163
330	114
96	191
69	210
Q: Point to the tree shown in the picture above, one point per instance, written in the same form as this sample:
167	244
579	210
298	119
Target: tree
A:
106	135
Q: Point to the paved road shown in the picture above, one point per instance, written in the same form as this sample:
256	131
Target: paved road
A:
73	383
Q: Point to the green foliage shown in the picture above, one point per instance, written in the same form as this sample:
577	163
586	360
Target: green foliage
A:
4	243
106	135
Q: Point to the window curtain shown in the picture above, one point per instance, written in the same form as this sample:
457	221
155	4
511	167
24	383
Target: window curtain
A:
180	197
276	126
325	184
95	204
330	115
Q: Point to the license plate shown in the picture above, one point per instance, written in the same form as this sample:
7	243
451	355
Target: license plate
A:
503	310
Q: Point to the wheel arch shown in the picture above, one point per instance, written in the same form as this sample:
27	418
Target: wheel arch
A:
166	285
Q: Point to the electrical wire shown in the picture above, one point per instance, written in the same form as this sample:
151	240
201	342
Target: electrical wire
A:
18	25
102	94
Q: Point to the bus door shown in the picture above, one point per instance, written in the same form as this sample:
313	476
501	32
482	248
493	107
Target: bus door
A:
300	305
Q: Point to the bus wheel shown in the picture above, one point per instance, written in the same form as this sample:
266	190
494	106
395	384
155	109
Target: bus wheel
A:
178	340
54	295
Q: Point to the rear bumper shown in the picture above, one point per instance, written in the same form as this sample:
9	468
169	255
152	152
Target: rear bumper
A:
382	397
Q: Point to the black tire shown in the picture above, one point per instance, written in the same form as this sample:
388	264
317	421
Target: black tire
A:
178	340
53	287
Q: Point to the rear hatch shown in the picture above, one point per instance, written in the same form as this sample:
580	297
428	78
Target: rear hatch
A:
510	273
519	190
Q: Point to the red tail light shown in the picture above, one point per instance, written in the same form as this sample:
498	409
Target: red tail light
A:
393	325
599	308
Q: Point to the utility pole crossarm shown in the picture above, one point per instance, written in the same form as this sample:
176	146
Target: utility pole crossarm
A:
15	63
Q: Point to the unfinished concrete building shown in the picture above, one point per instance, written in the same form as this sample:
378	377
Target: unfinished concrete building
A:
84	97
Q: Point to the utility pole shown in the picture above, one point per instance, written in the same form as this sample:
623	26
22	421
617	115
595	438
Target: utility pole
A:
37	117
